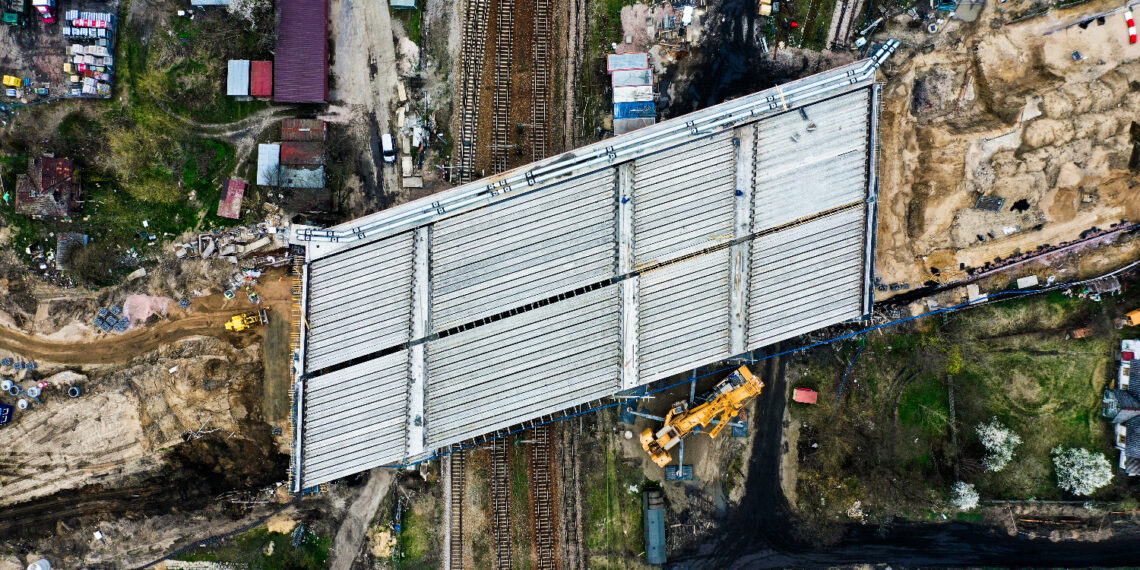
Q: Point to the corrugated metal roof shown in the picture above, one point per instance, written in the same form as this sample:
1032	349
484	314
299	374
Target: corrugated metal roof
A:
354	417
569	288
635	110
302	153
297	176
632	94
360	306
268	164
616	62
230	204
631	77
623	126
237	81
403	4
261	78
301	62
303	130
516	369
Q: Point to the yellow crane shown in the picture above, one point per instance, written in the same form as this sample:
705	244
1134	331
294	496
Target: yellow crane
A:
725	402
239	323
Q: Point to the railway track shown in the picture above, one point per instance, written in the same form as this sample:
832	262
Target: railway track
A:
501	126
501	502
543	503
471	78
541	79
458	476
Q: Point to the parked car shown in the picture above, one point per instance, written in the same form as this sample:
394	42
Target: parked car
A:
388	147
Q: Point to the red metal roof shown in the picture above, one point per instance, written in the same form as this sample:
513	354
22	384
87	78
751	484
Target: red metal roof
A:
261	79
312	130
301	64
230	204
303	153
805	395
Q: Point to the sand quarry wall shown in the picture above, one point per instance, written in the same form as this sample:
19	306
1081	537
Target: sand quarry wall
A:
1007	113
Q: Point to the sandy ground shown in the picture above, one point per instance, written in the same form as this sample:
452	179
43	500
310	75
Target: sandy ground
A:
364	76
1005	113
353	531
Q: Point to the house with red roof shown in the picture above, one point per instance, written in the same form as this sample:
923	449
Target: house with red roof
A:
50	189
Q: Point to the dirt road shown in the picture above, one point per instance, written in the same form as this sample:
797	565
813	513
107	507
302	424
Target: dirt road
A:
114	348
364	66
207	318
352	531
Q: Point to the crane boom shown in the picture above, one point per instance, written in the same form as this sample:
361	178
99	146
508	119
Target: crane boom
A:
725	402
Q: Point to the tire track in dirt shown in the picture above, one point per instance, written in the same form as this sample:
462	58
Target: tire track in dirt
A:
119	348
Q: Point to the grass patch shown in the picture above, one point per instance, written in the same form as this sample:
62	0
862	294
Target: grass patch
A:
413	23
416	536
1010	360
604	30
612	513
521	533
261	549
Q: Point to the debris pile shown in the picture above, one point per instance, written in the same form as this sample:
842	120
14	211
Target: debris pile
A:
262	245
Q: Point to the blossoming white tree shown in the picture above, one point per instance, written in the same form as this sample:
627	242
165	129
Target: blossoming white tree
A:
963	496
999	441
1080	471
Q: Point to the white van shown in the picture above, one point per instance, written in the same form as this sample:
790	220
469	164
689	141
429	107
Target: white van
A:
388	147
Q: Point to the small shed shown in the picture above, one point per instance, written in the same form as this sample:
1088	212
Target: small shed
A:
268	164
261	79
230	204
805	395
616	62
237	81
1027	282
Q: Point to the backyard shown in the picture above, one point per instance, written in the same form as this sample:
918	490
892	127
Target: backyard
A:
904	429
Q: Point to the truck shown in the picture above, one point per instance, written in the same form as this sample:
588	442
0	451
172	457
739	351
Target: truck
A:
238	323
723	403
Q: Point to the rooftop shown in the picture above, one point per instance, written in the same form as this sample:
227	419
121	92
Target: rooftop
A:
589	273
301	61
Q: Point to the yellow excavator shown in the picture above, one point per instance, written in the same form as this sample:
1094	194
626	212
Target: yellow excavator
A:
241	322
724	403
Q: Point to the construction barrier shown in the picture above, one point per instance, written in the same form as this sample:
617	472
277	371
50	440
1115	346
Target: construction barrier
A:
1131	26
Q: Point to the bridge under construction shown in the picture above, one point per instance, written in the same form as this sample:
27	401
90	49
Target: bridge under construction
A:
589	273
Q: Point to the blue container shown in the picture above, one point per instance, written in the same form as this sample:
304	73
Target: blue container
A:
116	310
30	366
6	362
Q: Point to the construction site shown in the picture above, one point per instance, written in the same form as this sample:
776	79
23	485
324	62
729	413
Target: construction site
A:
727	284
